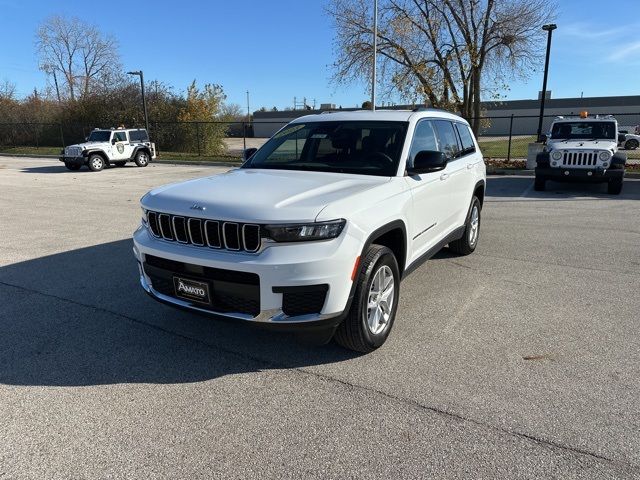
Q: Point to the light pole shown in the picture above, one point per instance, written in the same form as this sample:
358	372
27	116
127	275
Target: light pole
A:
375	54
144	100
548	28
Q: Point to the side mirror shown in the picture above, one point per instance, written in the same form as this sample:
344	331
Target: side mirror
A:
113	141
247	153
428	161
543	138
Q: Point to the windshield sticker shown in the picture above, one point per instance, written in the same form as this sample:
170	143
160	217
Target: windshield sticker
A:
288	131
319	135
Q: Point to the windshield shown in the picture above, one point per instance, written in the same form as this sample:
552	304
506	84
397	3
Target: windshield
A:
99	136
361	147
584	130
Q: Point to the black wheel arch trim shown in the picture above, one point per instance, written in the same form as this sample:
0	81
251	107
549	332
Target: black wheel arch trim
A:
137	149
394	225
102	153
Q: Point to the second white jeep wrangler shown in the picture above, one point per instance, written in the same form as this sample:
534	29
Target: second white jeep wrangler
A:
104	148
582	149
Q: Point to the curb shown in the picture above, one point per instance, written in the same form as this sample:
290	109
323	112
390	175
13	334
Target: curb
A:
167	161
163	161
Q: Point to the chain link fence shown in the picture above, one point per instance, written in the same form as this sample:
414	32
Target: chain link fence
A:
503	138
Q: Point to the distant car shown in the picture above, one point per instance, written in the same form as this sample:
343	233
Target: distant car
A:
628	141
582	149
104	148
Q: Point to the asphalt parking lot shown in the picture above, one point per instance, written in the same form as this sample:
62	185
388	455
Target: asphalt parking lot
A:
519	361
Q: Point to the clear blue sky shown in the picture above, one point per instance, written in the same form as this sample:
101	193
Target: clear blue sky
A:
280	48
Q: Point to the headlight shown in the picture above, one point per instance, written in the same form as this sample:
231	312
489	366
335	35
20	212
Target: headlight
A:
556	155
306	232
604	156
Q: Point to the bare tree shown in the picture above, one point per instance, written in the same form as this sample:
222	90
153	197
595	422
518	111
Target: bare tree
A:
78	52
444	52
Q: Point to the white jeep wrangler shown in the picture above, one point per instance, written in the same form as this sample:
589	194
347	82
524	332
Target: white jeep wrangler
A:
582	149
314	232
104	148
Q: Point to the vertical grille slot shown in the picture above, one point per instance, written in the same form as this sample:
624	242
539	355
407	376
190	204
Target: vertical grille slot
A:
195	231
251	237
165	226
152	218
212	232
180	229
231	235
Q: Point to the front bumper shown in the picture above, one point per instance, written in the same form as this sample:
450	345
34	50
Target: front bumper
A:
584	175
279	268
73	160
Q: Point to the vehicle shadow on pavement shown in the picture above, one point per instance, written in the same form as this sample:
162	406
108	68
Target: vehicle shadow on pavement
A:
81	318
522	187
54	169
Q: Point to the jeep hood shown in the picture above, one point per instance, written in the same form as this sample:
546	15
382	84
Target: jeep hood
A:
582	145
257	195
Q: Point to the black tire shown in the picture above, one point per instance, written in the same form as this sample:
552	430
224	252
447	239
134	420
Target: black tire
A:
354	332
142	158
119	164
614	187
631	144
96	162
469	240
539	184
72	166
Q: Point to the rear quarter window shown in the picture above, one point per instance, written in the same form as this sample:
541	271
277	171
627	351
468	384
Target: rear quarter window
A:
138	136
466	137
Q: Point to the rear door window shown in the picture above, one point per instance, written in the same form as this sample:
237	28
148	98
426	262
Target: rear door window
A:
447	138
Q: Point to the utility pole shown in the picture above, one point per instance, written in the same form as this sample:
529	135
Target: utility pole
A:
548	28
144	100
248	109
55	81
375	54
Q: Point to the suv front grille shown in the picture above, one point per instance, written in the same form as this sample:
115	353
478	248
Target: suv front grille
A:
581	159
210	233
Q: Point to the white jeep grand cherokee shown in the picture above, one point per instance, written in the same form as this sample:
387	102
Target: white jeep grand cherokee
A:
316	229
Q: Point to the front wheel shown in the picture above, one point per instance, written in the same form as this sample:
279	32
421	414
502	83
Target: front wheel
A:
72	166
469	240
96	163
142	159
539	184
375	302
631	144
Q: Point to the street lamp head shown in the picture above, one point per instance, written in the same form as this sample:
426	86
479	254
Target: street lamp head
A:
549	27
137	72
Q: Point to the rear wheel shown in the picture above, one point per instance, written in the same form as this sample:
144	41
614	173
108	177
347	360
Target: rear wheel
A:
539	184
614	187
469	240
375	302
142	159
72	166
96	163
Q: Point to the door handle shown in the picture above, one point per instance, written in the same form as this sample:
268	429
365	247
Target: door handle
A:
444	176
